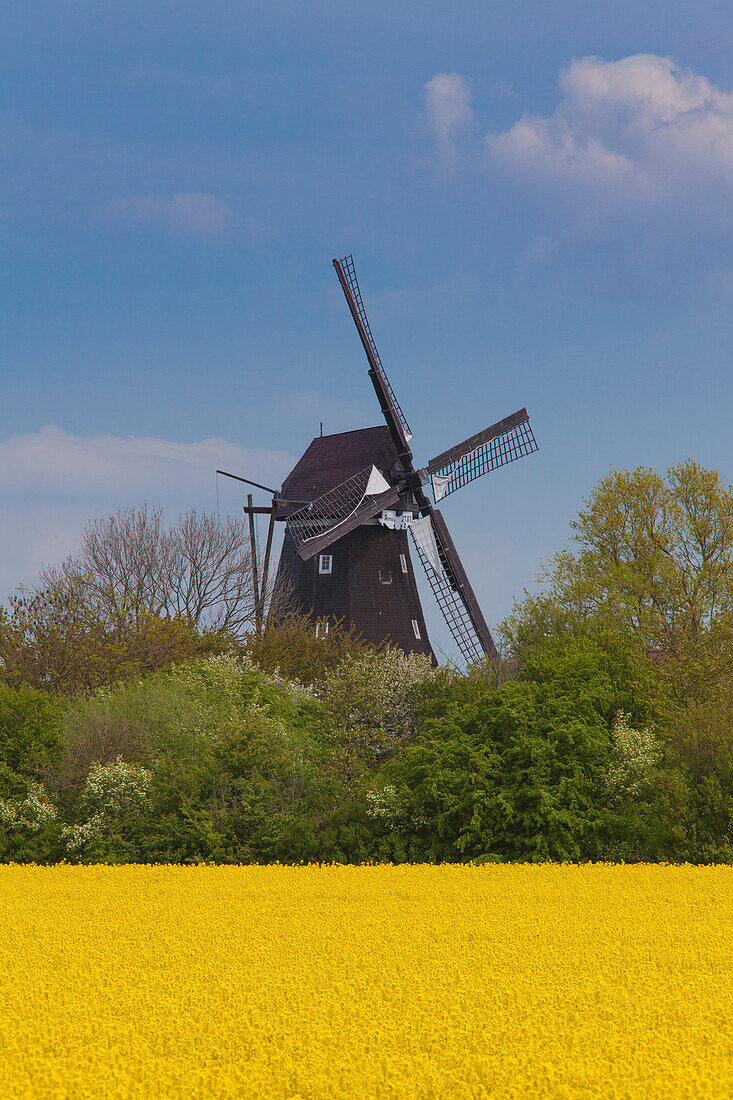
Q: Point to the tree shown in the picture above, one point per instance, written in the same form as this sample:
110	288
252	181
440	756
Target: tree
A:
197	571
30	730
61	638
650	580
31	743
371	699
510	772
654	564
292	648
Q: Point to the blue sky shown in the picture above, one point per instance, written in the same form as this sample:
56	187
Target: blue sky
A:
537	196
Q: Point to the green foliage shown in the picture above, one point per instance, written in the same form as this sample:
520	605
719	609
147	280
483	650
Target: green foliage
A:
606	733
293	650
512	772
654	566
371	701
30	730
61	639
651	581
238	763
30	744
700	750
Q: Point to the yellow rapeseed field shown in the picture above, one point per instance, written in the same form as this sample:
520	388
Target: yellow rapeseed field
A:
545	981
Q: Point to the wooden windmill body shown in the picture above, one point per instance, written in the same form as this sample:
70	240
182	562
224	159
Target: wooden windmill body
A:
365	577
350	503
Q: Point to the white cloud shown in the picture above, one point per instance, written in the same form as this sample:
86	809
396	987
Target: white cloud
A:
448	111
52	460
189	213
639	129
52	483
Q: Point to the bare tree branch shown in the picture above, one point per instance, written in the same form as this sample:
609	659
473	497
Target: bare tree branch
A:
197	571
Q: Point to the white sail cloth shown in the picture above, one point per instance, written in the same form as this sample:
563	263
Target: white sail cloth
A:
440	484
422	530
376	484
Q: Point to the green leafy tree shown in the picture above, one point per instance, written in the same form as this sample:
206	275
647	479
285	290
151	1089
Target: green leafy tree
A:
31	743
62	639
653	564
293	649
30	730
699	746
510	772
650	579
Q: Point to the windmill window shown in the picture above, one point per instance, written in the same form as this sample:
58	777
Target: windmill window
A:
385	576
321	628
325	563
403	563
416	629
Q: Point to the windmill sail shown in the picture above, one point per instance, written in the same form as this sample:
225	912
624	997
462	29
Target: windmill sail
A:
344	508
426	543
367	579
396	420
505	442
451	587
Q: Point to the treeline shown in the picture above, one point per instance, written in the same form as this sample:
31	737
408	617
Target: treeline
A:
136	732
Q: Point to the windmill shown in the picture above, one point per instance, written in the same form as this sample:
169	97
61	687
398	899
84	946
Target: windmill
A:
350	502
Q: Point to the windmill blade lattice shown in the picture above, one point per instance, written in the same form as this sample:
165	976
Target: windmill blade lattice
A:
339	511
345	268
452	591
497	446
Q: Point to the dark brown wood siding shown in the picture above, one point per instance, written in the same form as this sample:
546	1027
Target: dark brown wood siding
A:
332	459
367	587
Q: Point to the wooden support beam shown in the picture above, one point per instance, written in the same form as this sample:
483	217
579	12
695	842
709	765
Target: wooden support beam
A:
268	548
255	575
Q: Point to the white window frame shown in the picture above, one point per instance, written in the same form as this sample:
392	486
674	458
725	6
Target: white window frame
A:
385	573
321	627
403	563
325	564
416	629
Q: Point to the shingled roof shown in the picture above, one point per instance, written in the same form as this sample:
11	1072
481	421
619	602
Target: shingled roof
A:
331	459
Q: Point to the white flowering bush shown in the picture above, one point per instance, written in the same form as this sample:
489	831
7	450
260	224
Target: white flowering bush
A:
384	803
373	694
76	837
116	793
118	788
29	814
634	756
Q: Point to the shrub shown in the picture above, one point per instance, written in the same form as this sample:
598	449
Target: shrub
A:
513	772
372	699
30	730
240	767
292	649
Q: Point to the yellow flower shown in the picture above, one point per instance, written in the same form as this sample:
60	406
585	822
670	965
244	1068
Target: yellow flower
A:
345	982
